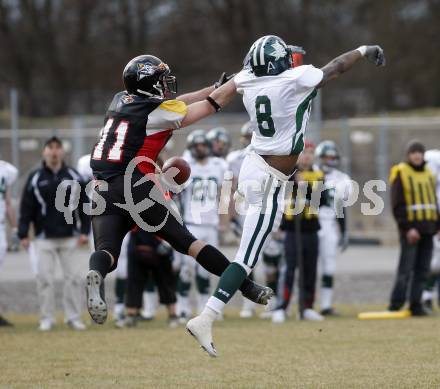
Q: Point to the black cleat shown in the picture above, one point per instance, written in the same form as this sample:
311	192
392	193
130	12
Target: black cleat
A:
258	294
96	304
5	323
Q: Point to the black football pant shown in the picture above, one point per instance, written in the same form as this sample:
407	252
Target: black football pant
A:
310	244
412	272
110	227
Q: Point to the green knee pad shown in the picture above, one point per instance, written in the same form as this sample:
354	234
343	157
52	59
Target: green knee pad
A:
327	281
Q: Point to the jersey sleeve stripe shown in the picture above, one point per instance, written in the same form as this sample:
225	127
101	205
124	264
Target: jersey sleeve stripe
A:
168	115
175	106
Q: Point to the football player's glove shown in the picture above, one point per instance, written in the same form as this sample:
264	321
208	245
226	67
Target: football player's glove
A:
374	54
224	78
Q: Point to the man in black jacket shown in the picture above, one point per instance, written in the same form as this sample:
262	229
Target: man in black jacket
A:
56	238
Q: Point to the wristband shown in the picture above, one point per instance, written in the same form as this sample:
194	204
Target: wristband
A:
213	103
362	50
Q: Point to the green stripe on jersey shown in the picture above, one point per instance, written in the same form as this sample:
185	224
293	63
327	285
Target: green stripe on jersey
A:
299	122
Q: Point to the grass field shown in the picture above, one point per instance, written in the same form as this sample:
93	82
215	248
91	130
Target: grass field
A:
337	353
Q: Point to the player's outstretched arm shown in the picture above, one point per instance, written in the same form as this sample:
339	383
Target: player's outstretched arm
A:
193	97
213	103
202	94
346	61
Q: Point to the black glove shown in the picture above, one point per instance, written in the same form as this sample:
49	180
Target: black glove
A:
224	78
375	55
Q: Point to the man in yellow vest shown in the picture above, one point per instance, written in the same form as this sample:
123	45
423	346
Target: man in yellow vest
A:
414	205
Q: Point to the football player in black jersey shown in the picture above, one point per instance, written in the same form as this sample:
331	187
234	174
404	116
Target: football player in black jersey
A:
138	124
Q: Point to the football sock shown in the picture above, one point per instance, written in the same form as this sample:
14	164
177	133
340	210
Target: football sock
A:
101	262
216	263
228	284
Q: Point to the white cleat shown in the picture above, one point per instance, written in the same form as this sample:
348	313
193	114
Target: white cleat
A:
96	304
312	315
201	329
279	316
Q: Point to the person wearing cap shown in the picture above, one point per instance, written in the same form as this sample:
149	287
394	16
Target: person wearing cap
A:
414	206
55	238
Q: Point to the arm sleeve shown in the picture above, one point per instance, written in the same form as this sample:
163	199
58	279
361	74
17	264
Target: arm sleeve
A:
311	77
28	208
167	116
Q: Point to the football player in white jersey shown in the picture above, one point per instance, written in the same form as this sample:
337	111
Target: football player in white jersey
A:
333	232
432	158
8	174
278	100
200	203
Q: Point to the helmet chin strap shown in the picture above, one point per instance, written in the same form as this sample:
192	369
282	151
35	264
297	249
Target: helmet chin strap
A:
149	94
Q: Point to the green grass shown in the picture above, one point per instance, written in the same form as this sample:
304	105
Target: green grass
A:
337	353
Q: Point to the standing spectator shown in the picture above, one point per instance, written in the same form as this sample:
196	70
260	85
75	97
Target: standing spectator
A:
55	237
8	174
414	204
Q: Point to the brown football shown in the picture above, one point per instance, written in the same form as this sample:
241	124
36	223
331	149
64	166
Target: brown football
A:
181	171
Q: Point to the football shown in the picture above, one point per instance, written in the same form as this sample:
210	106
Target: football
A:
181	171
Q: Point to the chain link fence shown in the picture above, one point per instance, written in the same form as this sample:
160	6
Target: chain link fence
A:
369	147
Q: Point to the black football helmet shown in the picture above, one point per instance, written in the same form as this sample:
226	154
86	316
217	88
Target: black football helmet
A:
149	76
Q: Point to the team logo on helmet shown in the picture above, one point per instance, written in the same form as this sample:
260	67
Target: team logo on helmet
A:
144	70
279	51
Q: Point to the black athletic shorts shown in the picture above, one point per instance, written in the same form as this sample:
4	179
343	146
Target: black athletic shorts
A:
161	217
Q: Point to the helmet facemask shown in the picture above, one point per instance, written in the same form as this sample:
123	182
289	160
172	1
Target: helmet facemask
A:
166	84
